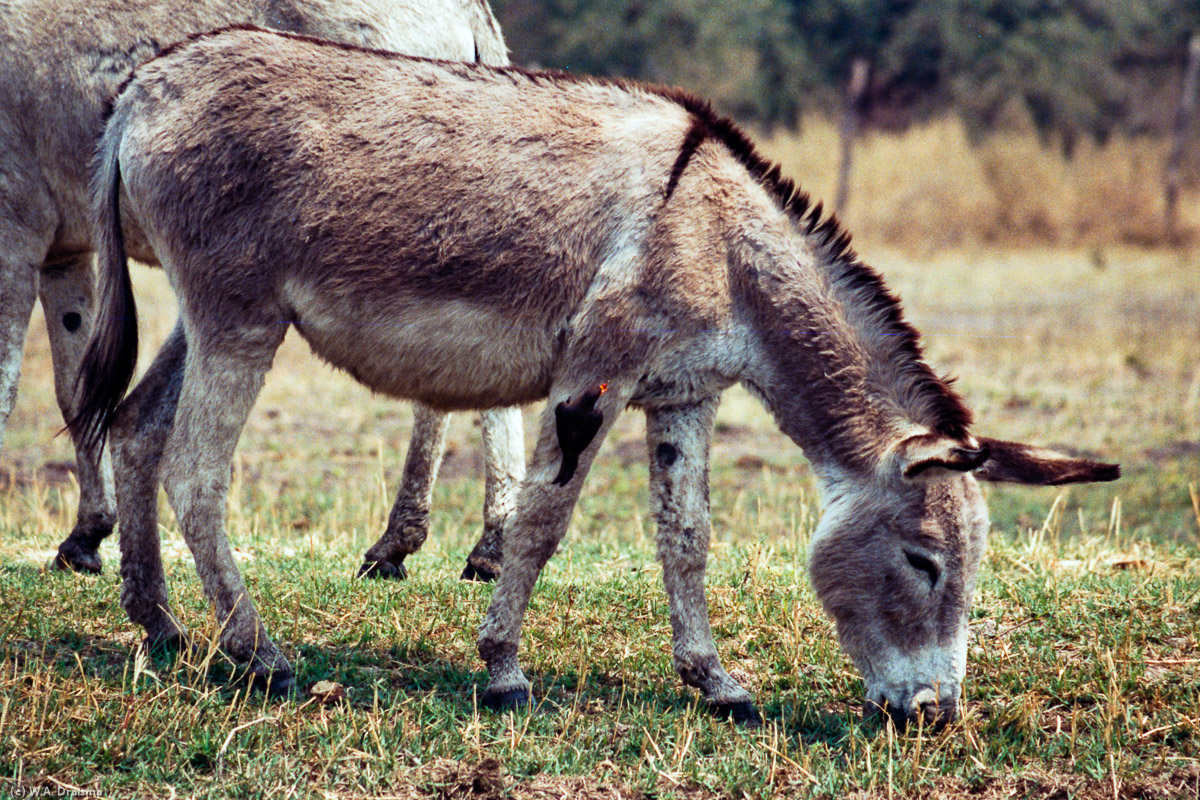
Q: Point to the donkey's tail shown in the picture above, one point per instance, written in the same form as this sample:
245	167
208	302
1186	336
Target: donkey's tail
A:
108	364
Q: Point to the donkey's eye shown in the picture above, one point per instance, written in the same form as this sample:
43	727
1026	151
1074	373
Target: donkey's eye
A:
924	564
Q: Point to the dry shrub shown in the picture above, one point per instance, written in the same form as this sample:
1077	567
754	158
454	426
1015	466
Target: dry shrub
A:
931	186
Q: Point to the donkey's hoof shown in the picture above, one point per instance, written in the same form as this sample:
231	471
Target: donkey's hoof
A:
743	714
383	569
165	643
72	557
277	683
478	574
506	700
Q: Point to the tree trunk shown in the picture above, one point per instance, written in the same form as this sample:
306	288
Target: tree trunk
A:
852	120
1173	176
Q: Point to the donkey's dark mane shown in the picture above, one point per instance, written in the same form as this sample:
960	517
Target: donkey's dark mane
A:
950	416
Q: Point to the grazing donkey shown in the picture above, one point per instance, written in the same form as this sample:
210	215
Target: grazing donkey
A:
60	61
467	237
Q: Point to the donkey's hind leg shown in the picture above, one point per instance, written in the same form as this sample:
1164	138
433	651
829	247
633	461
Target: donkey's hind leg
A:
677	440
408	523
221	381
504	469
139	433
67	299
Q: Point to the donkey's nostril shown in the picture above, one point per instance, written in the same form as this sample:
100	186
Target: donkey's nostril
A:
920	704
925	708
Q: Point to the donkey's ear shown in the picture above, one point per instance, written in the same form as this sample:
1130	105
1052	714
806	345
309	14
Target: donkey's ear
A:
925	456
1021	463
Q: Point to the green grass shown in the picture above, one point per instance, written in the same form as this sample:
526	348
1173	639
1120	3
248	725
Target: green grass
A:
1084	665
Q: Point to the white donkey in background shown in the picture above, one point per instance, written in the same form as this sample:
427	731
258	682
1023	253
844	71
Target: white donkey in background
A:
61	61
469	237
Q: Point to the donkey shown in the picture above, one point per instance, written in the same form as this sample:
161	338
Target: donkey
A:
469	236
59	63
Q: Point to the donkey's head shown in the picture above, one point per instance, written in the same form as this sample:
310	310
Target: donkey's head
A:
895	559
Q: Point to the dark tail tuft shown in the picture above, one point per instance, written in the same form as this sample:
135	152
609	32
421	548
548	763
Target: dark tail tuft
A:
107	366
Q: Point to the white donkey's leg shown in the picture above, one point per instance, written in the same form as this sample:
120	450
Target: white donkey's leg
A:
504	469
677	440
27	222
140	430
220	383
18	293
67	300
408	523
542	513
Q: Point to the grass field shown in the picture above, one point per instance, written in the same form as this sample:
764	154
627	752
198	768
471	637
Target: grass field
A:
1084	667
931	186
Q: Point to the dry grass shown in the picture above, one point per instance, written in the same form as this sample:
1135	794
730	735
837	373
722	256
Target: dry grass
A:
930	187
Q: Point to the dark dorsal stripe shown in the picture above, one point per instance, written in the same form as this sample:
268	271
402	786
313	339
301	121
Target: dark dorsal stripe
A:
949	415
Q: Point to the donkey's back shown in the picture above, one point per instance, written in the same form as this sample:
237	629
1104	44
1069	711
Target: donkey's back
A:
432	232
60	61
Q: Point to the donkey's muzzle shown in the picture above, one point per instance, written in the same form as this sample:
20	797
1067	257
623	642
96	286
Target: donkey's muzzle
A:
923	710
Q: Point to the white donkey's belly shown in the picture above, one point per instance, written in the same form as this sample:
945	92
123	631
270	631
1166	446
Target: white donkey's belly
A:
449	354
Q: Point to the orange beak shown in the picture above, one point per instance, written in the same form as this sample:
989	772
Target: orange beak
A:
603	388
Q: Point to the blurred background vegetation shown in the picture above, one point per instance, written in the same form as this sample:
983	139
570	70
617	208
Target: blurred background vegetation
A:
1044	121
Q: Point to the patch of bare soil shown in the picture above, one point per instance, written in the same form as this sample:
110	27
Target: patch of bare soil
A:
730	433
631	451
1179	785
487	780
52	473
461	462
1172	451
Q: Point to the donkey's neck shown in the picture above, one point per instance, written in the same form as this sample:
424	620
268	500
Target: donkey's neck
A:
839	369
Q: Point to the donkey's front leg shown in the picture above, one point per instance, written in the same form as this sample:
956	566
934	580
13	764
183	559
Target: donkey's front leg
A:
531	537
677	439
408	523
220	383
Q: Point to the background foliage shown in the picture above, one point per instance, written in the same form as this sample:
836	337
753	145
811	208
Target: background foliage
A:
1076	67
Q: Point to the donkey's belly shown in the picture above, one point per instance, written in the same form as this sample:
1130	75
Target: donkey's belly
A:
450	355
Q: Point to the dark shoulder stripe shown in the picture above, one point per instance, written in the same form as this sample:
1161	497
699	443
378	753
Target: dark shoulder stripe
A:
692	140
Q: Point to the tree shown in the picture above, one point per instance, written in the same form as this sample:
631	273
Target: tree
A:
1072	64
739	55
